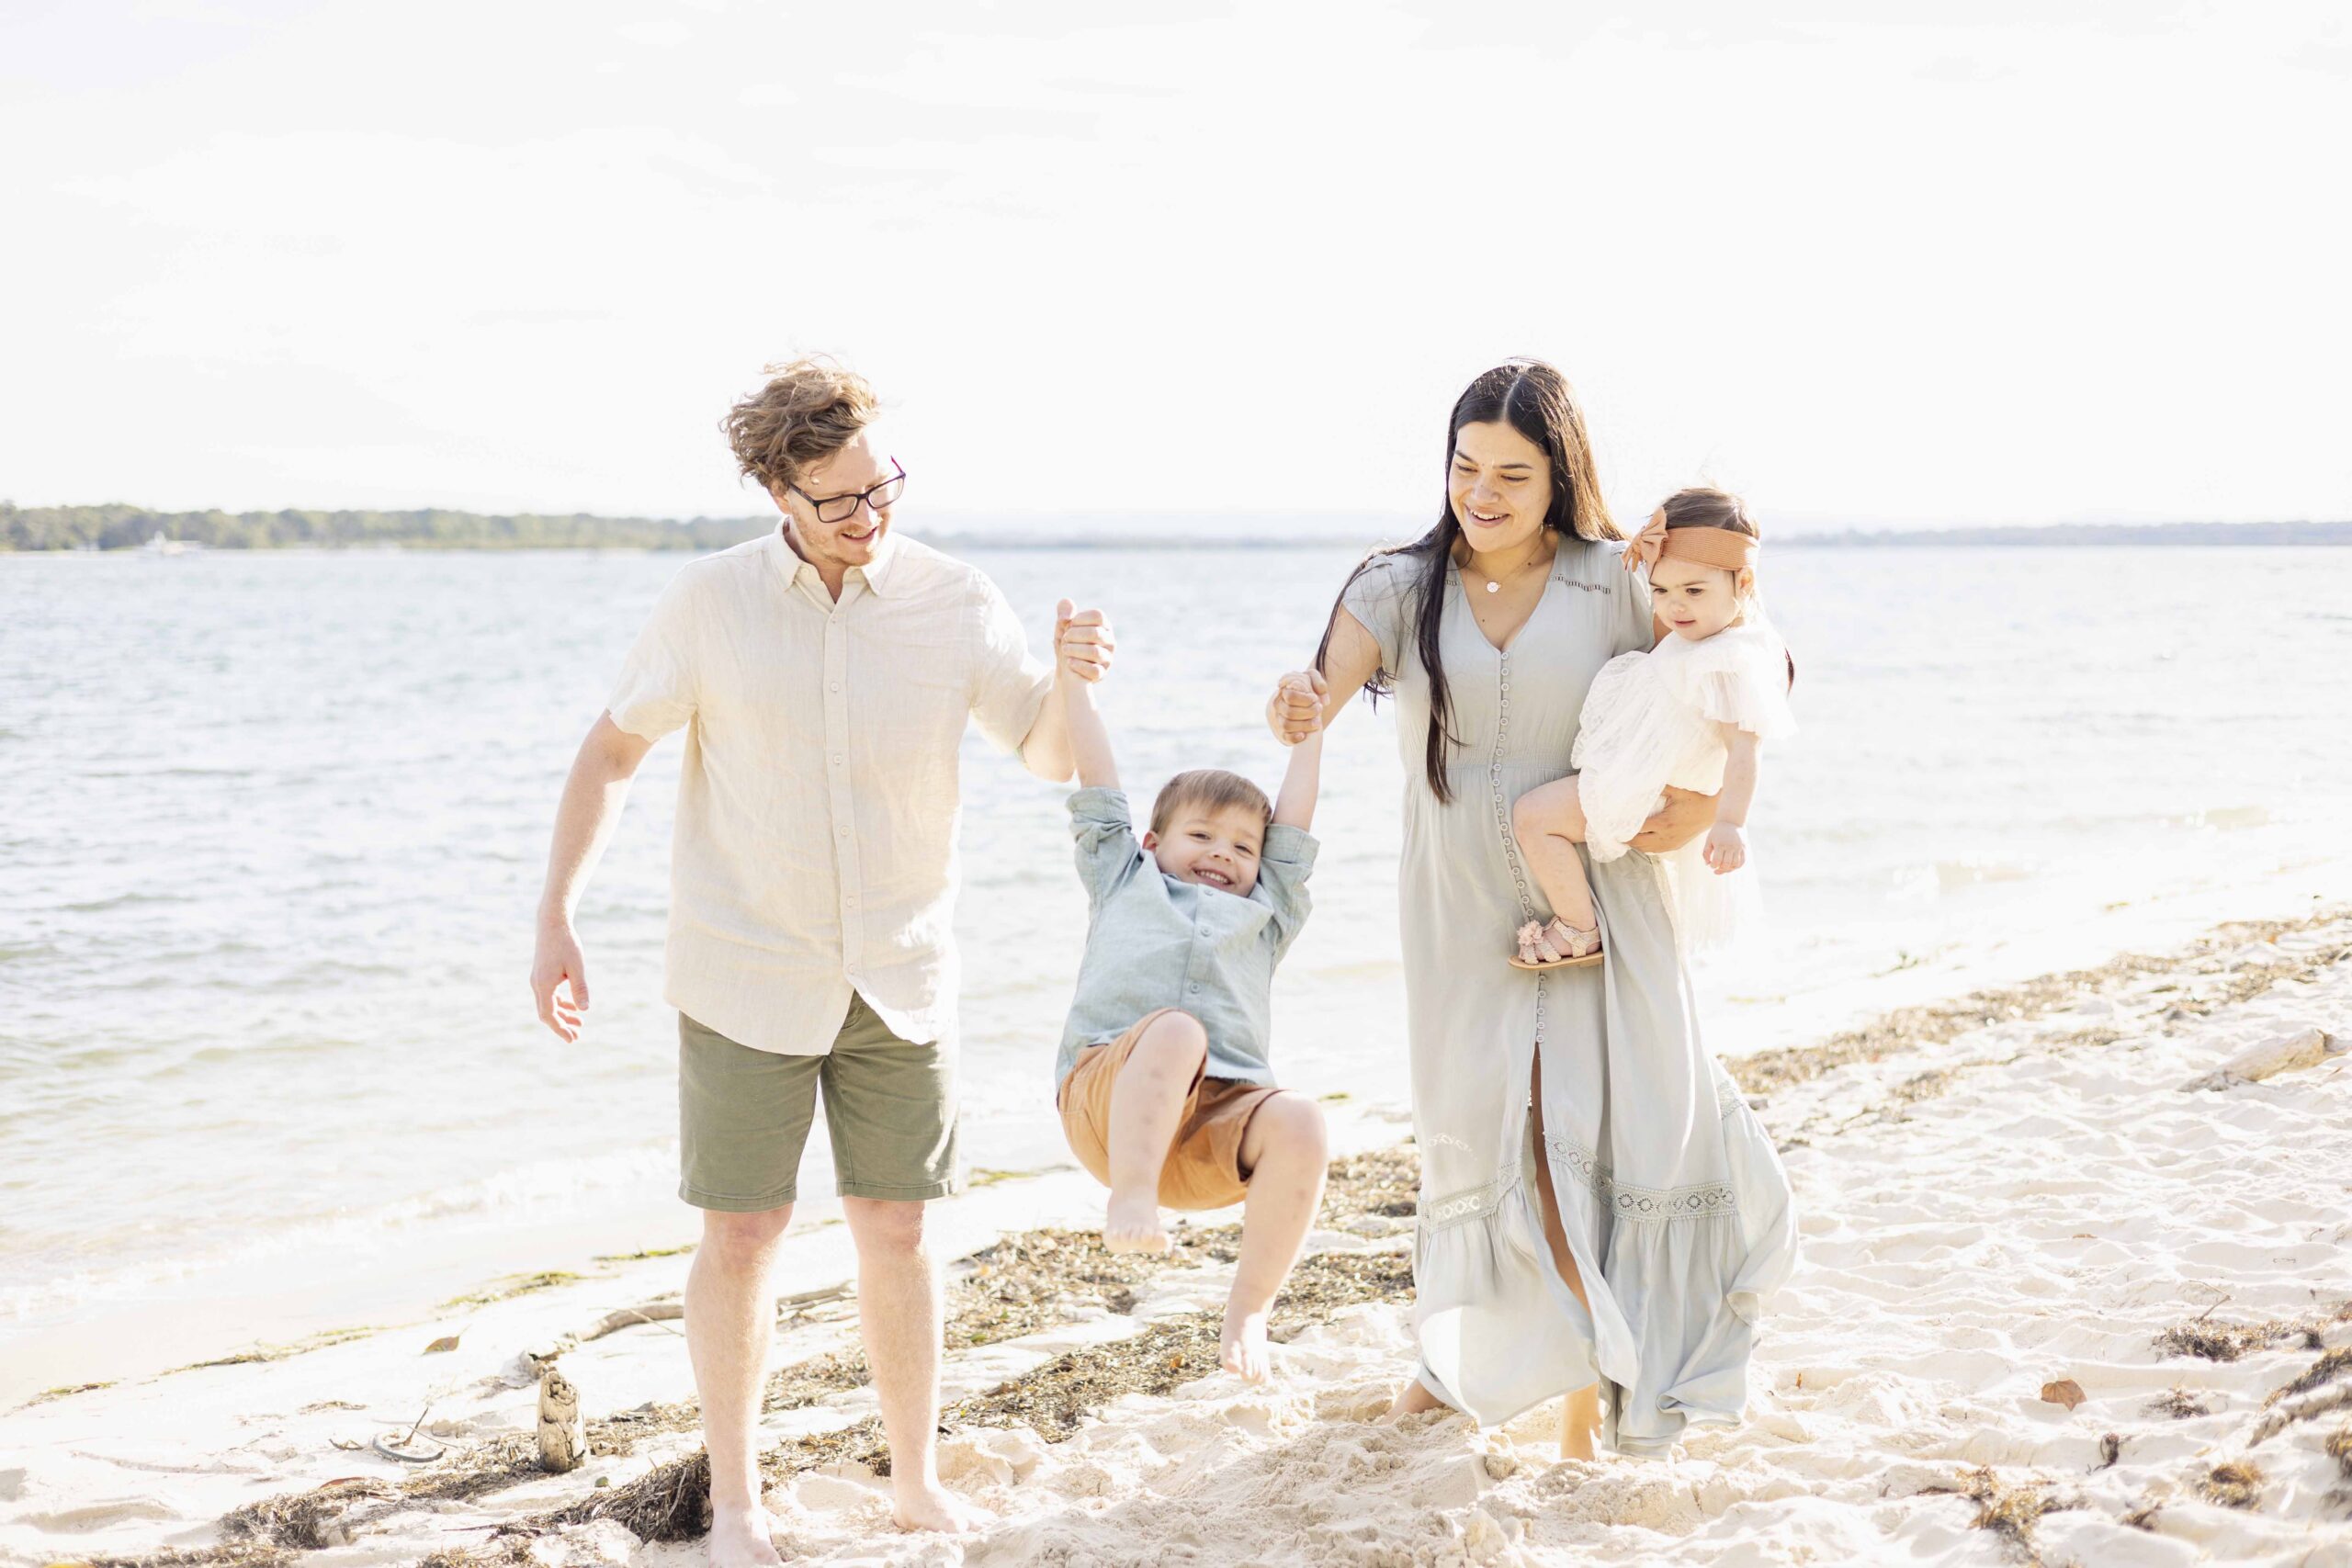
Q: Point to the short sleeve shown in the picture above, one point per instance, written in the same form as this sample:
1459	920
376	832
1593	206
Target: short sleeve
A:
1009	687
656	692
1636	614
1744	682
1377	596
1284	862
1105	833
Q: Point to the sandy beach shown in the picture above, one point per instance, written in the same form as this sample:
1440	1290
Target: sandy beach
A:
2066	1297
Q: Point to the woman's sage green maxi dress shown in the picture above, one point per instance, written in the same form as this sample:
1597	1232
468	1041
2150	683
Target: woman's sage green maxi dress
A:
1677	1209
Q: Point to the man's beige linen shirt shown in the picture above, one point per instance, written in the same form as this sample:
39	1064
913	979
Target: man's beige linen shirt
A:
815	847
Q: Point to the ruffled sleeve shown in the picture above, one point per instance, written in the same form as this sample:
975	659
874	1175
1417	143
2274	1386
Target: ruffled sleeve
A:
1741	677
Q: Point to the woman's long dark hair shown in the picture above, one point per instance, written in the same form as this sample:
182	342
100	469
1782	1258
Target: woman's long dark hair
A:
1536	400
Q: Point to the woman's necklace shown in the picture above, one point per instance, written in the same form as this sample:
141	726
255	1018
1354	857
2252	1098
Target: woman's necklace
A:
1495	584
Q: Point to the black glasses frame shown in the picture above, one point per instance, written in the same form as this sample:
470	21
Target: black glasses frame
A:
842	508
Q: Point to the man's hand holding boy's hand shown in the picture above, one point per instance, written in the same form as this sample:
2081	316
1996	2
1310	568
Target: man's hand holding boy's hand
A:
1083	642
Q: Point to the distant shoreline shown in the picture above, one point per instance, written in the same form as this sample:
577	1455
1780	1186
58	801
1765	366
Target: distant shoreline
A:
125	527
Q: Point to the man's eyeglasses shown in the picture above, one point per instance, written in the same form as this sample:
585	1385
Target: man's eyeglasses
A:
842	508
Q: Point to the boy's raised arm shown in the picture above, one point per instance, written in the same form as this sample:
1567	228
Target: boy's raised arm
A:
1295	806
1090	739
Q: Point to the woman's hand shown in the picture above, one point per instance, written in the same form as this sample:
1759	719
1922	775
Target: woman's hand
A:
1295	710
1685	815
1726	847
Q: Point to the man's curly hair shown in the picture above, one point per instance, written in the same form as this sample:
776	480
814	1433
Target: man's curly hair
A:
810	409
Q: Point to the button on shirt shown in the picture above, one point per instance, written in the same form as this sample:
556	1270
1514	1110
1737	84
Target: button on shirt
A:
1154	941
814	844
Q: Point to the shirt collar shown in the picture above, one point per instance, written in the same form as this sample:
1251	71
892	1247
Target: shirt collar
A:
879	575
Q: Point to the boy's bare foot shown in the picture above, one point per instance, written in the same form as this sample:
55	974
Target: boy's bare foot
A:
928	1506
1244	1351
739	1538
1131	1223
1413	1399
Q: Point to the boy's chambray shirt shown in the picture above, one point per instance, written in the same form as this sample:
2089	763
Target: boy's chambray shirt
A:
1153	942
815	851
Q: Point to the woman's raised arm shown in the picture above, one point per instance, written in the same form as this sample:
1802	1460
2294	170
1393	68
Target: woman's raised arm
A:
1295	711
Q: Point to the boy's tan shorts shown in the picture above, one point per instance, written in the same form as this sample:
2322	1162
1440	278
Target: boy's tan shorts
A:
744	1116
1203	1168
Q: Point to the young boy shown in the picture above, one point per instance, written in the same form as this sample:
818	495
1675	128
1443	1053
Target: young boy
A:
1164	1090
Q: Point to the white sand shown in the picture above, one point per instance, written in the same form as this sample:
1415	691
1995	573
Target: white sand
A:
2039	1214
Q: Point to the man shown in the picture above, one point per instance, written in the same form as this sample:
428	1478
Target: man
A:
824	674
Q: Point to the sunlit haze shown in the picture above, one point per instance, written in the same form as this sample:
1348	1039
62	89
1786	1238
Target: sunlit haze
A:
1988	262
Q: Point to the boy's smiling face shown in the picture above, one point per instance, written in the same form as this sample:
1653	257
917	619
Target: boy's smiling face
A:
1213	847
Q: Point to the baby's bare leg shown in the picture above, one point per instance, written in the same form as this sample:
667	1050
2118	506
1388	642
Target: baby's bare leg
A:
1284	1150
1549	824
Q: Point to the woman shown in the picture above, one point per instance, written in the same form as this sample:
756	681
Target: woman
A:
1597	1203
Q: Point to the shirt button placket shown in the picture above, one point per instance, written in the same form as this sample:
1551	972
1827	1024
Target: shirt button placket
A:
837	790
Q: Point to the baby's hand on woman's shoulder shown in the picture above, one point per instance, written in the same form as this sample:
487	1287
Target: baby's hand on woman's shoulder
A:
1726	847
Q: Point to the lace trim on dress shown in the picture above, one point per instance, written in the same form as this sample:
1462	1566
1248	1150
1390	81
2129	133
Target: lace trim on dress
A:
1627	1202
1461	1208
1727	1096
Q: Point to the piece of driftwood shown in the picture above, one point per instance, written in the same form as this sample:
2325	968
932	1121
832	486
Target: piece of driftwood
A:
629	1317
2304	1048
563	1438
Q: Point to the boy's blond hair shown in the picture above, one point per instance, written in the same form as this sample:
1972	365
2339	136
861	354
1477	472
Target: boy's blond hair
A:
810	409
1211	789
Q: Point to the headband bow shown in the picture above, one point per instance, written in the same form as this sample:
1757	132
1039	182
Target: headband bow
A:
1722	547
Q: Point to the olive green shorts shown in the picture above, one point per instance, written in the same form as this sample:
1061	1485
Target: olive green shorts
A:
744	1116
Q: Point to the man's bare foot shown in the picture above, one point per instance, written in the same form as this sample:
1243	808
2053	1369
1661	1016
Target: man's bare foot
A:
1131	1223
928	1506
739	1538
1244	1345
1413	1399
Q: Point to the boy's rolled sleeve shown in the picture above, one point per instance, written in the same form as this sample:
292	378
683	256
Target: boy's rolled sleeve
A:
1284	862
1106	831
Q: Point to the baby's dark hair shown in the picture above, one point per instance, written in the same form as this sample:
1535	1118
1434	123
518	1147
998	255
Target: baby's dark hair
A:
1210	789
1700	507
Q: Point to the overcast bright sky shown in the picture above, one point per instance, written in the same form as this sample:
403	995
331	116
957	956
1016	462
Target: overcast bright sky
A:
2018	260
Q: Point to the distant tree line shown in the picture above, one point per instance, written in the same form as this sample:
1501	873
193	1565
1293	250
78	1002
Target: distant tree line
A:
125	527
2093	534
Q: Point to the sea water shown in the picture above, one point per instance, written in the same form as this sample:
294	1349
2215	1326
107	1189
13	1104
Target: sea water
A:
273	828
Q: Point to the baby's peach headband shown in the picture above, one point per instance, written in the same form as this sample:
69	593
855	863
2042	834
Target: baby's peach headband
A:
1725	548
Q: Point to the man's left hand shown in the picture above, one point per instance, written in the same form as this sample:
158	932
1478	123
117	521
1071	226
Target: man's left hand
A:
1083	642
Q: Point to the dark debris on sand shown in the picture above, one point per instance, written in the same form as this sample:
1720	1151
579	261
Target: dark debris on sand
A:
2179	1405
2228	1341
2220	983
2011	1509
2236	1483
672	1501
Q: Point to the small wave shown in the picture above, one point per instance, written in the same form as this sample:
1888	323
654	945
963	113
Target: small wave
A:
1952	873
2226	818
492	1199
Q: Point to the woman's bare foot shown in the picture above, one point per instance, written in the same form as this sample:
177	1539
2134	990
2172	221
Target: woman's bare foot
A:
1413	1399
928	1506
1244	1345
739	1538
1131	1223
1579	1422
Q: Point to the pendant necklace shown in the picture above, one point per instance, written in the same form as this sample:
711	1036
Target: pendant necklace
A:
1495	584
